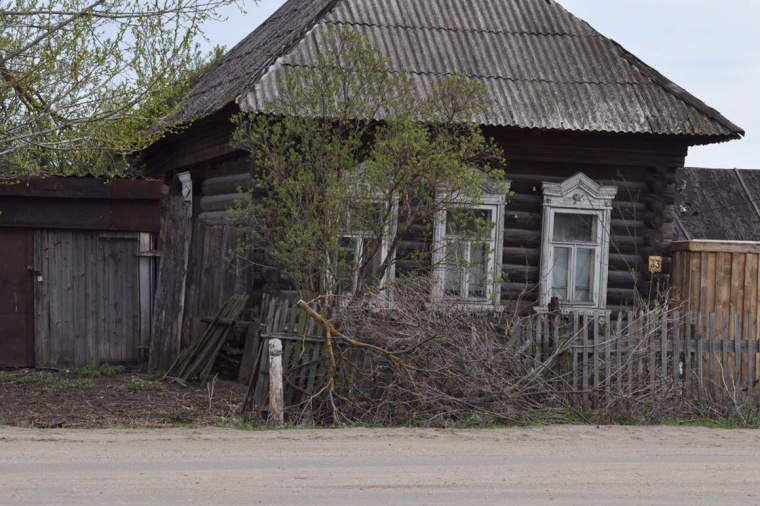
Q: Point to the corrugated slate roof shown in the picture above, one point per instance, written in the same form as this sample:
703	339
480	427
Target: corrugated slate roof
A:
544	67
718	204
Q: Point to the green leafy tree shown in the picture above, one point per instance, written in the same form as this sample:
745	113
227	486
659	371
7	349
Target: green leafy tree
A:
82	81
349	151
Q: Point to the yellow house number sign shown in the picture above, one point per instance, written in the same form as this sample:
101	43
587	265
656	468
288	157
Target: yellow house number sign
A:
655	264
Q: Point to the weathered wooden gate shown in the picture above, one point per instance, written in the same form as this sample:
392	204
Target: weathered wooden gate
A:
90	296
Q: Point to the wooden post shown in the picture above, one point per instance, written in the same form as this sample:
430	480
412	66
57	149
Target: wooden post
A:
276	394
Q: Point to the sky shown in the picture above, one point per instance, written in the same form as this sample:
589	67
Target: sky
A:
709	47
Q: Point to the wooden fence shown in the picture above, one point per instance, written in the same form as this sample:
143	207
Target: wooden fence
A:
606	359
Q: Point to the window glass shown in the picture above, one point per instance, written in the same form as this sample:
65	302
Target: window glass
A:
560	272
464	222
455	261
574	227
583	274
476	280
346	263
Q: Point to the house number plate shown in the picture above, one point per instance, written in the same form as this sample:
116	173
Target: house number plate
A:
655	264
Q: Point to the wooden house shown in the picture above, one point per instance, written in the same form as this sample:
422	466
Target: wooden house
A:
593	136
76	271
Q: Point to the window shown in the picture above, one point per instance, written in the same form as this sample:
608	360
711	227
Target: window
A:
354	250
362	252
575	243
467	242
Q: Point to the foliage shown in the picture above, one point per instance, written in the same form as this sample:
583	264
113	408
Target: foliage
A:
349	147
81	81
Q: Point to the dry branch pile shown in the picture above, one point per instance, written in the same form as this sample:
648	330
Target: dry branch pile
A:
413	364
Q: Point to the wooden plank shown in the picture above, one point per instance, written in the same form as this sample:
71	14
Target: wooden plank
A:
725	362
688	354
249	352
586	365
695	304
630	350
664	348
751	350
737	353
597	351
55	291
723	299
641	329
575	351
41	303
169	302
652	335
90	299
619	372
193	309
608	337
700	339
712	356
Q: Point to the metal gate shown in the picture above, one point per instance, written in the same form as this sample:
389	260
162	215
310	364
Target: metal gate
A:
16	298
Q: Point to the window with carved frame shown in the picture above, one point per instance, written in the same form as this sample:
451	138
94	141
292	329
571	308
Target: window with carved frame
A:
575	243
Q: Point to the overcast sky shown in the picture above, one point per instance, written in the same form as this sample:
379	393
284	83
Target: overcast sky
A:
709	47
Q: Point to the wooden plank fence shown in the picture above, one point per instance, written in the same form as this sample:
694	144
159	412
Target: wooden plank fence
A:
608	359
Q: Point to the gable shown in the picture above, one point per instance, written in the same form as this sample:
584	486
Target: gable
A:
545	68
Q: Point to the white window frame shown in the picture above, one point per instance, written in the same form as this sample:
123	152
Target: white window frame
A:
578	194
494	203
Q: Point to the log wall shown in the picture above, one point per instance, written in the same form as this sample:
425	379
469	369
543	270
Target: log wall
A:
643	169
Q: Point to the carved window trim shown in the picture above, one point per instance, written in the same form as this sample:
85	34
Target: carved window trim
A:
580	195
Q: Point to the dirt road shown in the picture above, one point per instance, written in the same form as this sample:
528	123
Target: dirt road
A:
549	465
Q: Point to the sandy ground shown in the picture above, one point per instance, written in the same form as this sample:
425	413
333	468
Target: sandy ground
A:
548	465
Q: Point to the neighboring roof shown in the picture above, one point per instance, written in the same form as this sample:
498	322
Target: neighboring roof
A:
718	204
544	67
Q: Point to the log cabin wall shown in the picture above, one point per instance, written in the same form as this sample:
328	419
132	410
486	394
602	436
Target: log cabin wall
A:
642	168
644	172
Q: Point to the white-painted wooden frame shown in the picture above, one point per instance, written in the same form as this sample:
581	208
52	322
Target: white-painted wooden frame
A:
577	195
494	203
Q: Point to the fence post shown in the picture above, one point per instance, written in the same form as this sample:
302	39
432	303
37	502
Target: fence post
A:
276	394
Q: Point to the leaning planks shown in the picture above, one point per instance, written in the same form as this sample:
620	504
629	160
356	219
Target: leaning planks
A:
196	360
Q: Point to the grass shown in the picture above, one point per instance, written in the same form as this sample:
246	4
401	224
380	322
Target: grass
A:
105	370
246	422
34	377
139	385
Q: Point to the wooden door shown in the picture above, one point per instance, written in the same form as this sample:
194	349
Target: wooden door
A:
88	302
16	298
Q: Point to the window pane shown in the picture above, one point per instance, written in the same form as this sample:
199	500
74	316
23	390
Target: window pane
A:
463	222
574	227
583	274
476	281
453	267
370	246
560	272
346	264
